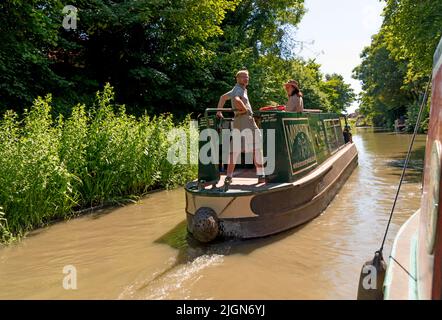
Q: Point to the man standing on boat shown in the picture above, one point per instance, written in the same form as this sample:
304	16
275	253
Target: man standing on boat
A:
243	120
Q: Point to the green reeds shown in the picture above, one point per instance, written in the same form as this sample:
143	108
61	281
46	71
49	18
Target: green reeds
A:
48	169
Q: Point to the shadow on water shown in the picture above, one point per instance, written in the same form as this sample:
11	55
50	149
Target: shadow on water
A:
415	166
190	249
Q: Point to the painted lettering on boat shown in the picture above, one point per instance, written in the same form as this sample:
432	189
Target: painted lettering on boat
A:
299	144
320	136
333	133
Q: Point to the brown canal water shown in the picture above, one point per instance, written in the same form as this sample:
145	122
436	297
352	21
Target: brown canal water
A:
141	251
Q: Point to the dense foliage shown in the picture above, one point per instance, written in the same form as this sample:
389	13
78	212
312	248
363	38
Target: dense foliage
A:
174	56
49	168
398	63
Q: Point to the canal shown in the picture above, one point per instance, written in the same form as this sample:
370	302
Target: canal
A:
142	251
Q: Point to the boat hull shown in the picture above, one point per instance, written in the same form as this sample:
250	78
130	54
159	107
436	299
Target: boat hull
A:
400	280
415	266
279	207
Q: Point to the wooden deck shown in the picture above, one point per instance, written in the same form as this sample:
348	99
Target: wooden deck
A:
245	180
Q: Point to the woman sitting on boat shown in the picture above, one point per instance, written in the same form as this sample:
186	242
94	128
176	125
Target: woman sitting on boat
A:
295	102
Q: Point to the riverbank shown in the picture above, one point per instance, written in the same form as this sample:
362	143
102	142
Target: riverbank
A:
52	169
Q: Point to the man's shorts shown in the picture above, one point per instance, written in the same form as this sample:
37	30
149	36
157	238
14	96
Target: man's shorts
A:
251	139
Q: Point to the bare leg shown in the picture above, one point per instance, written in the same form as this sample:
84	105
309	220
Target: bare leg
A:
257	154
258	158
232	164
230	169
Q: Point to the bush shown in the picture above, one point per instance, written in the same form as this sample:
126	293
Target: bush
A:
50	168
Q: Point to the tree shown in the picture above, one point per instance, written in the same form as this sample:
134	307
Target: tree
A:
384	97
153	51
339	94
28	30
412	31
396	66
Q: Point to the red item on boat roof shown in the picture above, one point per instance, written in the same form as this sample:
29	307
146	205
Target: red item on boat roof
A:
272	108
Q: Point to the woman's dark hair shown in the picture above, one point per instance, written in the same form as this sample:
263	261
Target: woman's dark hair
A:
296	91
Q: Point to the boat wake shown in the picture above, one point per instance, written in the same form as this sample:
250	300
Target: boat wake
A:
173	282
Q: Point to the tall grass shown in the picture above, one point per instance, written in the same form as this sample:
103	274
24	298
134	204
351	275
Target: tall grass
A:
50	168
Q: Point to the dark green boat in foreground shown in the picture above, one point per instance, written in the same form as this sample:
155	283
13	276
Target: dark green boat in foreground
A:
313	158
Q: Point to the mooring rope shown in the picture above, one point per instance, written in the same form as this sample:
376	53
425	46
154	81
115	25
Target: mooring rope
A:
403	268
416	127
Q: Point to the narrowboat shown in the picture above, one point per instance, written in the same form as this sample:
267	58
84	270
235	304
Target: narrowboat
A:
313	157
414	269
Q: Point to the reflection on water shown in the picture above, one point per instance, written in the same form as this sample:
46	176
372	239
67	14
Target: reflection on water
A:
142	251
